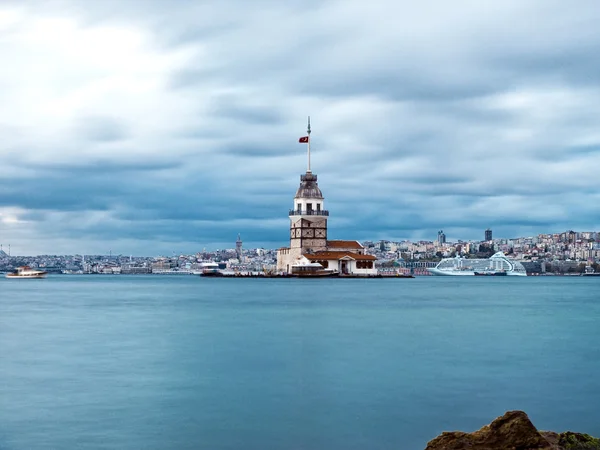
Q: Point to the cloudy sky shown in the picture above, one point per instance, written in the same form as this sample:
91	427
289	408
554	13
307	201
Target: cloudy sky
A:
152	127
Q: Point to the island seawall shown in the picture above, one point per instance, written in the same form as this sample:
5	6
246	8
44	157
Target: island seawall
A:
513	431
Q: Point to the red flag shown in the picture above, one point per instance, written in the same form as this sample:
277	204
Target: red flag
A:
303	140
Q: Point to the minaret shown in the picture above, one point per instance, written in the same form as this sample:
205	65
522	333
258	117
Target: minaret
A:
238	248
308	218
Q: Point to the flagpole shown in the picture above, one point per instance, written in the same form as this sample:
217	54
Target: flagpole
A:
308	131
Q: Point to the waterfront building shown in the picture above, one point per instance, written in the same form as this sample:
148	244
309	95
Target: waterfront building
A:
161	265
308	233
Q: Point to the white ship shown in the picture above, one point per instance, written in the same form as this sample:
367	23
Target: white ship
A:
25	272
209	269
589	272
497	264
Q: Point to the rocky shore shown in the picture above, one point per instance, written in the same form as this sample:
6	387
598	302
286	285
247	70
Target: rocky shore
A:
513	431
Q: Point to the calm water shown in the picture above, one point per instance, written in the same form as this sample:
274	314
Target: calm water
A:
181	362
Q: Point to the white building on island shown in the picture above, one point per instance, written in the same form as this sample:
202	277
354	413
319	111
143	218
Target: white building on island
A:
308	233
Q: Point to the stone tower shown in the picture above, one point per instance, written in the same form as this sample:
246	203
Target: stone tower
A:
238	248
308	218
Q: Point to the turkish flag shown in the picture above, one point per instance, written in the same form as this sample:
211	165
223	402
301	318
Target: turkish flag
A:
303	140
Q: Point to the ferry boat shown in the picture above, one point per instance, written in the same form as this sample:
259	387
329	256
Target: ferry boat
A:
210	269
589	272
497	264
25	272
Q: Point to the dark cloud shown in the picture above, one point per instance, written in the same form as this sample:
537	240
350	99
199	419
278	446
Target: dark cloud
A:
102	168
230	107
256	149
190	77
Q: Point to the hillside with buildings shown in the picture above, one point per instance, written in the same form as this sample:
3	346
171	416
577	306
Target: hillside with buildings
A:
562	253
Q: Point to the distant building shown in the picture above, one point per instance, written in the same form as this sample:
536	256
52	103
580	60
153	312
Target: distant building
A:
238	248
132	268
488	235
161	265
385	246
441	237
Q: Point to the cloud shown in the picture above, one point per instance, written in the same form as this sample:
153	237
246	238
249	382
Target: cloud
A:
101	129
151	127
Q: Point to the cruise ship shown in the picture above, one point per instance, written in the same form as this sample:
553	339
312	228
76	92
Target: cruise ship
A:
497	264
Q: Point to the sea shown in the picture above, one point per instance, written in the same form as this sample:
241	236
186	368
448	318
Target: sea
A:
185	362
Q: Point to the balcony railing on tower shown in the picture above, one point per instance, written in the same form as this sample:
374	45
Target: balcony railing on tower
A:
308	212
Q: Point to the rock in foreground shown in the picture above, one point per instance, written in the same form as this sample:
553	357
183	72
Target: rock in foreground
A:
513	431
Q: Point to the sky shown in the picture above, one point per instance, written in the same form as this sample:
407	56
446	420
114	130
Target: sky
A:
157	127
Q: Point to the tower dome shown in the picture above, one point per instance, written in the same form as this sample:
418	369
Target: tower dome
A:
309	188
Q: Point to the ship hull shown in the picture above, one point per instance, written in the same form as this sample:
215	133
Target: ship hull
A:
450	273
460	273
211	273
315	274
13	276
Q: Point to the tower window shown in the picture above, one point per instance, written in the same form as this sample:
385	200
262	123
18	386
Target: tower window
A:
299	207
318	207
309	207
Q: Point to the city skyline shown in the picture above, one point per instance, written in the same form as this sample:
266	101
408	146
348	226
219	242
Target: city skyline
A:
438	241
148	130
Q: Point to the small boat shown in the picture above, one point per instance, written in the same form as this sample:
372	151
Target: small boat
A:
312	270
25	272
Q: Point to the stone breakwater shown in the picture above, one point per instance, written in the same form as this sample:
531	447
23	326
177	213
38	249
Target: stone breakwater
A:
513	431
